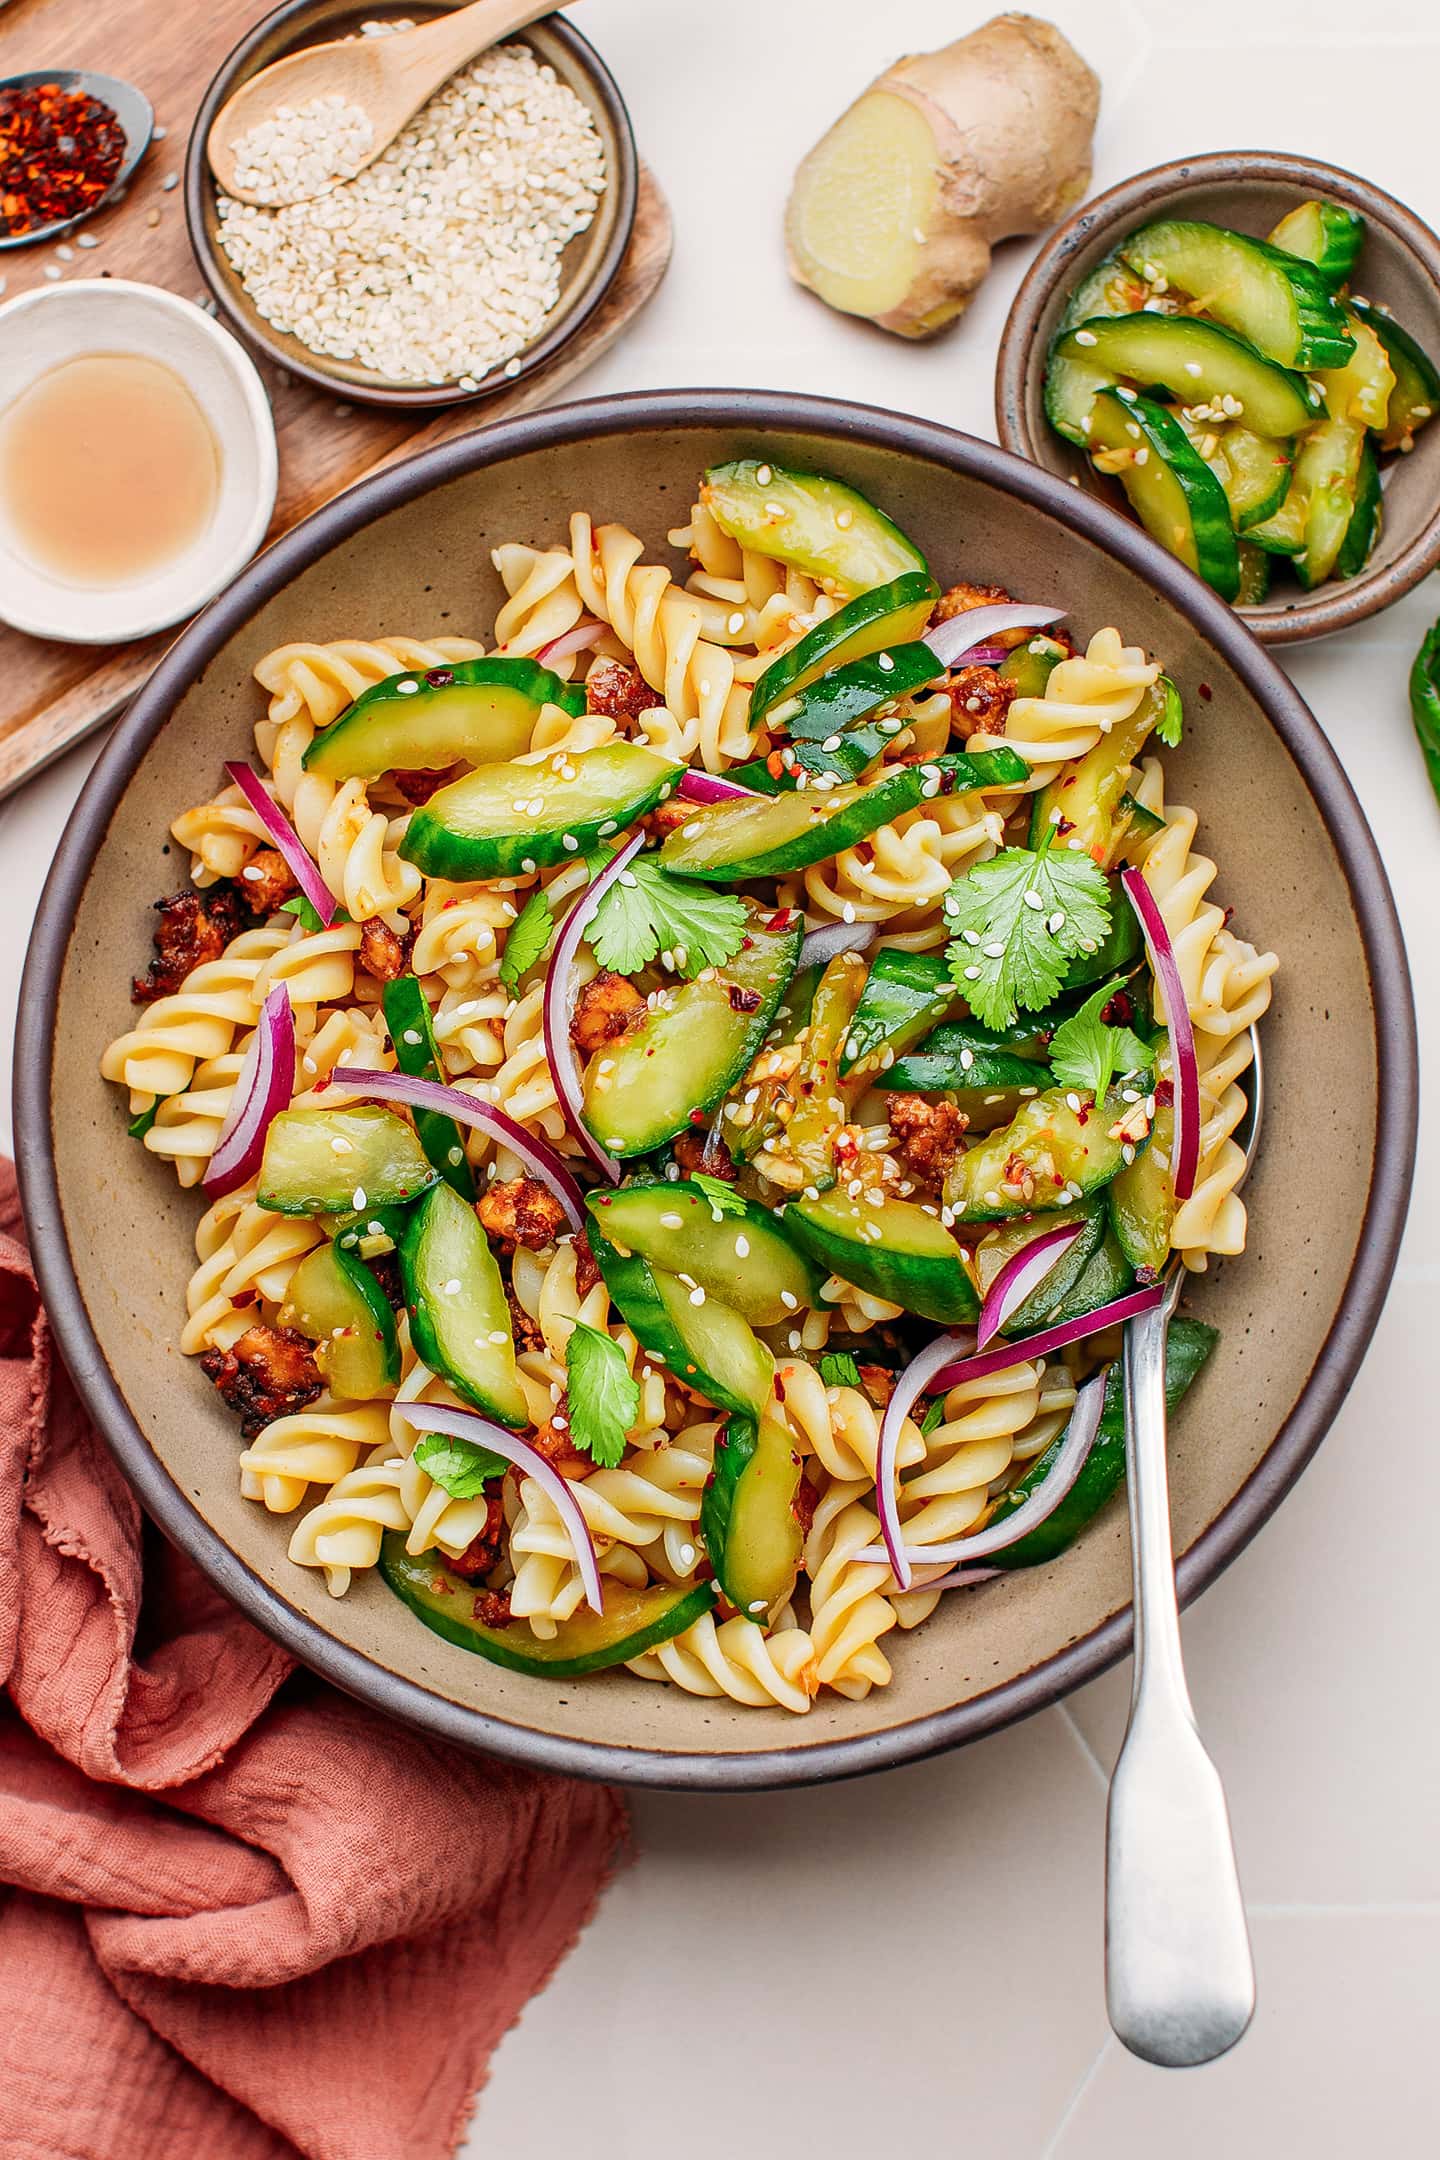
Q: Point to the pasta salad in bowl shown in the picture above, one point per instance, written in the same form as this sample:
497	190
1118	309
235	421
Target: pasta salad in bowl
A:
674	1073
611	1055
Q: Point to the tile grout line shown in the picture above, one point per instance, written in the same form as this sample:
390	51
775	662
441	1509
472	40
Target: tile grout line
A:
1073	2103
1078	1735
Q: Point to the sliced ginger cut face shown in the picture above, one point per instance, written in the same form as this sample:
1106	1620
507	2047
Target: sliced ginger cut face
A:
863	203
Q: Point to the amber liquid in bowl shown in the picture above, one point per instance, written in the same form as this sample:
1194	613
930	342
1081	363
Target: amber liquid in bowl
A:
109	470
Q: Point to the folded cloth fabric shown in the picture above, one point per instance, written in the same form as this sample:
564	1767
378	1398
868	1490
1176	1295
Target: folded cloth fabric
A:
250	1918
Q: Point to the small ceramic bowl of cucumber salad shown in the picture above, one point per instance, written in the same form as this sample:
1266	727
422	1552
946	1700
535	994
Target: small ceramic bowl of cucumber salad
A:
1242	352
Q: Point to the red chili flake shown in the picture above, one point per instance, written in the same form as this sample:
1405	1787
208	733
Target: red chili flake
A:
699	1117
439	677
59	153
1063	825
1164	1093
780	920
1206	692
1119	1011
743	1001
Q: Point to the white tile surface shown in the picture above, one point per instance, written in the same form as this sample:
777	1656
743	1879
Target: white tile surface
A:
916	1959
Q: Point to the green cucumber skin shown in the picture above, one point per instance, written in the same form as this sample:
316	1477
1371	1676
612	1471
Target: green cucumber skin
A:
1204	510
356	1302
990	1072
886	615
852	692
1049	1301
741	1453
928	1284
369	1129
1364	527
489	1381
628	1218
1106	1276
632	1287
1325	235
870	551
1425	702
400	724
1052	1132
1190	1344
1156	351
412	1577
1417	381
623	782
1320	339
407	1013
1087	792
1116	954
904	995
1254	575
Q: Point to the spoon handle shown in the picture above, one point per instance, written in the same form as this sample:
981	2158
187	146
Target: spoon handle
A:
435	49
1180	1983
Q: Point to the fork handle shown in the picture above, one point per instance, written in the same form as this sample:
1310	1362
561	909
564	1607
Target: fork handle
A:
1180	1982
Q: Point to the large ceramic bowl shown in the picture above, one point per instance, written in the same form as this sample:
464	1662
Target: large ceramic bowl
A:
409	550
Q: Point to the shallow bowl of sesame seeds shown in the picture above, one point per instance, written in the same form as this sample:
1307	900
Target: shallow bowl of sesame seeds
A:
1248	191
463	258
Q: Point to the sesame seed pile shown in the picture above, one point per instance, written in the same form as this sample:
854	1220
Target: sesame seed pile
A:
441	260
303	149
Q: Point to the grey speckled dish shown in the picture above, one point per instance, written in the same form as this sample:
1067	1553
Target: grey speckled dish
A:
1250	190
409	550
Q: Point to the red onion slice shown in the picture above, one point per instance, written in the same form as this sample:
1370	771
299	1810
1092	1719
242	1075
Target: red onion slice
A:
984	1362
285	839
955	640
1023	1272
1182	1034
964	1578
821	946
1079	1439
708	787
539	1158
263	1087
470	1425
588	631
559	1000
911	1383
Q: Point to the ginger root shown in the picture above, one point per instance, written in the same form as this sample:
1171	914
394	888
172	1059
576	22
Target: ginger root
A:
893	214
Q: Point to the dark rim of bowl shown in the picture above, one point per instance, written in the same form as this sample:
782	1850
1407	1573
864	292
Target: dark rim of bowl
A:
624	185
762	413
1311	615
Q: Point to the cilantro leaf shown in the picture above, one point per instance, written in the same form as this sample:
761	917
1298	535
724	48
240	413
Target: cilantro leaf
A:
604	1399
646	911
718	1193
1087	1053
530	936
461	1468
932	1417
1171	725
839	1369
307	914
1018	920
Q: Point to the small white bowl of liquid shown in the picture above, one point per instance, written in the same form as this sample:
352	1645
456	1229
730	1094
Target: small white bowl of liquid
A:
137	460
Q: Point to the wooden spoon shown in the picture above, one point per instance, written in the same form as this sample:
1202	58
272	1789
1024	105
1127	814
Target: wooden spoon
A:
389	78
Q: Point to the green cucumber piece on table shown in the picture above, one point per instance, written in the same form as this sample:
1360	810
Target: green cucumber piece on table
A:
1195	361
1189	1344
875	623
633	1621
669	1072
1325	235
814	522
335	1300
707	1345
1045	1299
329	1162
1280	304
459	1317
509	820
478	711
1425	702
1142	1201
905	994
897	1251
412	1036
747	1517
1364	528
1416	395
989	1089
728	841
735	1250
1065	1151
1167	484
1083	800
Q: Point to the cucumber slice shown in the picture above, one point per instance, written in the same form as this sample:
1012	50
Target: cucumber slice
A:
747	1516
727	841
459	1318
1117	953
1280	304
633	1620
1030	666
1254	470
1168	485
1325	235
671	1070
904	995
989	1088
329	1162
1416	395
1107	1275
1188	1346
1254	583
707	1346
1045	1300
1071	381
1142	1202
1328	473
508	820
335	1300
734	1249
897	1251
367	1231
1364	528
1063	1150
1083	800
875	622
1135	826
810	520
1196	361
852	692
476	710
412	1036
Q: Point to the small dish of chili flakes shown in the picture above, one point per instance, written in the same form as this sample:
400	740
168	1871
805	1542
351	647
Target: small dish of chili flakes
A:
68	139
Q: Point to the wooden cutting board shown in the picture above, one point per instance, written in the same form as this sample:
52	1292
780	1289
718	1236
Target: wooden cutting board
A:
53	694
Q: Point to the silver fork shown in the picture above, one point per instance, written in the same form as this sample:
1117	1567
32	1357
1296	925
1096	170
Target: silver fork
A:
1179	1977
